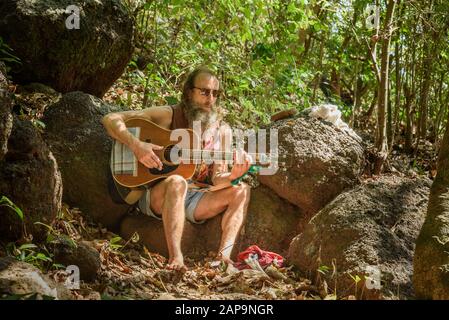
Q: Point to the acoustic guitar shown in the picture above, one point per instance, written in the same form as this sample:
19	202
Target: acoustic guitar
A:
129	172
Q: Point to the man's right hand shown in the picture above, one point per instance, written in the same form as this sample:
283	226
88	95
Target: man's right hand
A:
145	154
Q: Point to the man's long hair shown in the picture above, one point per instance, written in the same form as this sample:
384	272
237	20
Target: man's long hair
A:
189	84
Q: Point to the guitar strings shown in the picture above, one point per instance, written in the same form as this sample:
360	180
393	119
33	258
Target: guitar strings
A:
221	151
214	153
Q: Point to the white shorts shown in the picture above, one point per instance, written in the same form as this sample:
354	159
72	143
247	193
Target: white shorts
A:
190	204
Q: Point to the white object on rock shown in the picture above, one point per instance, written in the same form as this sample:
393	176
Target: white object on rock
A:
330	113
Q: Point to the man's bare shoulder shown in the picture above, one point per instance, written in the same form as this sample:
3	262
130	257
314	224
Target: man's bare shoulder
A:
161	115
157	110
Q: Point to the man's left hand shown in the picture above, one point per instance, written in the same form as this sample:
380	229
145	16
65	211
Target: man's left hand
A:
242	163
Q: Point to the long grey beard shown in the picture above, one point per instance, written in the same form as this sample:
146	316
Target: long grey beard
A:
194	113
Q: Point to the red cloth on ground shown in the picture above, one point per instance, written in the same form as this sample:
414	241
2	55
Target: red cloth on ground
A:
265	258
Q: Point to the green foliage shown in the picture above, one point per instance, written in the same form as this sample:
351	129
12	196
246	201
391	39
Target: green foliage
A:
114	243
118	244
4	201
356	280
38	124
55	236
7	56
323	269
245	42
273	55
37	254
30	253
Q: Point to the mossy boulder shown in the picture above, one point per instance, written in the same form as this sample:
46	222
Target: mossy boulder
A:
82	148
30	178
317	160
271	223
367	231
88	59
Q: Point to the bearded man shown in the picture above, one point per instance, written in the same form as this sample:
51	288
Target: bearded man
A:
171	200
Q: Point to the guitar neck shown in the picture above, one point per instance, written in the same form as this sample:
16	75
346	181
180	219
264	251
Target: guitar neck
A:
227	157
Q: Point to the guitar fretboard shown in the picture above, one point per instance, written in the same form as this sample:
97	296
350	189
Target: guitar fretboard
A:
198	155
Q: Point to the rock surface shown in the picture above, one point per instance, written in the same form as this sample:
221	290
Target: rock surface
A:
84	256
30	178
374	225
20	278
320	161
271	224
88	59
82	148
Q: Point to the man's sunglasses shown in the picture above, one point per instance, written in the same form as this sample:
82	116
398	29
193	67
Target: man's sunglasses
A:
207	92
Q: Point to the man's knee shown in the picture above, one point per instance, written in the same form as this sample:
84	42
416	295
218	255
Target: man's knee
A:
241	192
244	189
176	183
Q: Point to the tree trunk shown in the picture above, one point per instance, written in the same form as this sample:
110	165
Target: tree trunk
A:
398	85
410	94
438	112
356	104
408	119
431	261
364	123
389	118
381	136
428	55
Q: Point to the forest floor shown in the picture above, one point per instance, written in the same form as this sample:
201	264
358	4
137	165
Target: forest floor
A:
129	271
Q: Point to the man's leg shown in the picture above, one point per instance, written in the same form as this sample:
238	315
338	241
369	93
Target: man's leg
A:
234	202
167	197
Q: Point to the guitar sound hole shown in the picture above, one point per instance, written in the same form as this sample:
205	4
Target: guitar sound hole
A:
165	169
172	150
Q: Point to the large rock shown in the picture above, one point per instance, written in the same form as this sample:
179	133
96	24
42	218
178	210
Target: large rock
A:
83	255
20	278
88	59
374	225
431	262
82	148
271	224
197	240
29	176
5	112
320	161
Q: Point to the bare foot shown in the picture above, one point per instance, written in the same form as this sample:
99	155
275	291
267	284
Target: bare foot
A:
177	264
